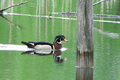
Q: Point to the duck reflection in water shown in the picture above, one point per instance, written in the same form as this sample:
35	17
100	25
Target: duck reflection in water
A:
46	48
56	54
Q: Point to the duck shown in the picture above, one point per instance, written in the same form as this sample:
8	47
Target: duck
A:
46	46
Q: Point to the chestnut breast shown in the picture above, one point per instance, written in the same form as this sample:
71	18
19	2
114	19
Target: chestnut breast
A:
57	46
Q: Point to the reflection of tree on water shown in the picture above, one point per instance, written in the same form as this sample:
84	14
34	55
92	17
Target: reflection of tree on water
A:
56	54
11	23
2	12
84	73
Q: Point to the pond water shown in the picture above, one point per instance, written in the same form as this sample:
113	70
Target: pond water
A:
31	22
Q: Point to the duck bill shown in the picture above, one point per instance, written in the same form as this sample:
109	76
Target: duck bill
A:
65	40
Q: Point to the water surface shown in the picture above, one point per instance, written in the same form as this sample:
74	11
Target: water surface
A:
29	23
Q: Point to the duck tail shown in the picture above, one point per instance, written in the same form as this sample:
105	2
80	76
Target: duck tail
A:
29	45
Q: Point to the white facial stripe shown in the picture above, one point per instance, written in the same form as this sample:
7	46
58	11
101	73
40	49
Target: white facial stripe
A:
59	42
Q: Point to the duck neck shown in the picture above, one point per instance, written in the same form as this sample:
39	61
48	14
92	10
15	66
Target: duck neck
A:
57	45
57	42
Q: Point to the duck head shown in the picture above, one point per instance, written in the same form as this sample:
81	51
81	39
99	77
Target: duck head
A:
59	39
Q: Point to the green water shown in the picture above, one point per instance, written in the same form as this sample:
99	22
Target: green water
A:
15	66
27	27
107	43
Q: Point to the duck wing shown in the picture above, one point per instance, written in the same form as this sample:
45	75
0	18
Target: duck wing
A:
43	44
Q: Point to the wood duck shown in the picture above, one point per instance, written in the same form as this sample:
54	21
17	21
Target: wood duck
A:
46	46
